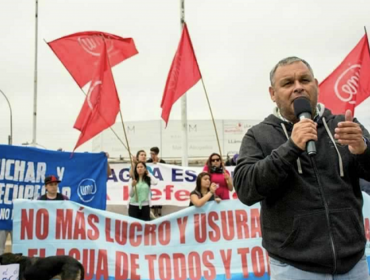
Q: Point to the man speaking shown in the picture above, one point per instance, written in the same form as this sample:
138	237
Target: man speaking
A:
303	164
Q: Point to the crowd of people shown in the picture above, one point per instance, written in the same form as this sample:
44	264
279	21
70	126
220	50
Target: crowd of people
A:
214	183
311	205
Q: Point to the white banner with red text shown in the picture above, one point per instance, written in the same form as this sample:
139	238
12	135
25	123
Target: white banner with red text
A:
212	242
174	187
216	241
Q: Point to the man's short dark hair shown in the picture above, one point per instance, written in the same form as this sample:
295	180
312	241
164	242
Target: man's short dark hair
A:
155	150
287	61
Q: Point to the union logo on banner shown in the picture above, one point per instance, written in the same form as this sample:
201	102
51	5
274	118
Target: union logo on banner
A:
349	84
87	189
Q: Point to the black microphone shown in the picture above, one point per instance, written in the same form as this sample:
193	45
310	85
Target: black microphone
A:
302	110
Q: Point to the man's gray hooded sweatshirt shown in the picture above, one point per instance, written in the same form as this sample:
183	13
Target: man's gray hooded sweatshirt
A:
311	209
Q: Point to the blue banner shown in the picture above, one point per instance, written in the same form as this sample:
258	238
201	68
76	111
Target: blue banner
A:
23	169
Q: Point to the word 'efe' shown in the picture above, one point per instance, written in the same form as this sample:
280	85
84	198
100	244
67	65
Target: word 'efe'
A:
168	193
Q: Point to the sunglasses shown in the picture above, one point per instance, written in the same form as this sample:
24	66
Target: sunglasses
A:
215	160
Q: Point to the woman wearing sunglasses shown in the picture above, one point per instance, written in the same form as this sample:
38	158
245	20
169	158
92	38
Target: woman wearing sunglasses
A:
219	175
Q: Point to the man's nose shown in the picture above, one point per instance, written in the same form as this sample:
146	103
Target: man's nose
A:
298	87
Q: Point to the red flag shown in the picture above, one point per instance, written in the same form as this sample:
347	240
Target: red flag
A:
101	105
349	84
79	52
184	74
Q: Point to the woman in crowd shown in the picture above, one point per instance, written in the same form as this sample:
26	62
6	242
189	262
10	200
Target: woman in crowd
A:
139	205
204	191
140	157
219	175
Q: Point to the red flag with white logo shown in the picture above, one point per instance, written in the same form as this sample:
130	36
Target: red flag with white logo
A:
184	74
102	104
80	52
349	84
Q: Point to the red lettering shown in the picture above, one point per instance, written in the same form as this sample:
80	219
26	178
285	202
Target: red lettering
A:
241	219
211	273
179	266
133	233
258	262
195	272
164	233
60	252
149	235
32	252
243	252
125	193
27	224
93	233
156	194
42	222
214	235
121	232
102	265
164	263
134	267
63	227
151	259
182	222
255	223
168	190
182	195
88	261
75	253
121	271
42	253
79	227
227	225
226	259
200	227
108	238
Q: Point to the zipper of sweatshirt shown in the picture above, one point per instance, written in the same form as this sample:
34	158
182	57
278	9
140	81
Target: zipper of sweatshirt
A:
327	214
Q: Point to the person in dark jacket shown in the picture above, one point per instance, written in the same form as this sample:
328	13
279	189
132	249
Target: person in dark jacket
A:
311	206
154	158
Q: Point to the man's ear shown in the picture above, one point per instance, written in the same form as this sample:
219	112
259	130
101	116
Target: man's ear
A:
272	93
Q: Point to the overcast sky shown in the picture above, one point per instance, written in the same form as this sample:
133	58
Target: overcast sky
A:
236	42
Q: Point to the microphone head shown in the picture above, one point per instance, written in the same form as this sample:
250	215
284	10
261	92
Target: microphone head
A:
302	105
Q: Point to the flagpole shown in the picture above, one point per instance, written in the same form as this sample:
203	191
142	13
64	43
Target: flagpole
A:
123	127
10	137
213	119
120	113
367	37
124	132
119	139
35	80
184	117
